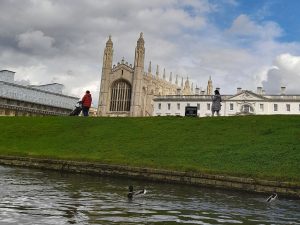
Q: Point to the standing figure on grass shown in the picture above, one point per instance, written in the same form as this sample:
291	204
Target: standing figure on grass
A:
216	103
86	103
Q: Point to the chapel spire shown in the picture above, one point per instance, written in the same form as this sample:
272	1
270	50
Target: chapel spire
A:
140	52
157	71
108	53
209	90
149	68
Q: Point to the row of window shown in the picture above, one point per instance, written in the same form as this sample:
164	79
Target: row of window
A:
178	106
287	107
231	107
13	102
275	107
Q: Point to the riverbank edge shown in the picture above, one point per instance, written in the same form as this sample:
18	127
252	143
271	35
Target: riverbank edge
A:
205	180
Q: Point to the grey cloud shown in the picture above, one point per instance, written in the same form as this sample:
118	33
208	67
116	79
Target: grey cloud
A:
35	41
63	41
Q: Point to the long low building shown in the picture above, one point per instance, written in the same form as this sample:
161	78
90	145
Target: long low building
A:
32	100
244	102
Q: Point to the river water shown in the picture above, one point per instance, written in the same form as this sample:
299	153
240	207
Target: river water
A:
29	196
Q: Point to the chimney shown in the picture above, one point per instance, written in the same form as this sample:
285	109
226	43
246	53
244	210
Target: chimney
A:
238	90
259	90
202	92
282	90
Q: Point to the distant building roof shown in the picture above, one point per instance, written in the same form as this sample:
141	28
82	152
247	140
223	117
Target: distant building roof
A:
7	71
47	94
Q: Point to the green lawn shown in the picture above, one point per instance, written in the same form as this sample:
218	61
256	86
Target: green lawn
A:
250	146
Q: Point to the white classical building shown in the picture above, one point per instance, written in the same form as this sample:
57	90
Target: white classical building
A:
31	100
244	102
129	90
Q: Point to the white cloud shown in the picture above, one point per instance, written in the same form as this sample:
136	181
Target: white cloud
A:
244	26
285	72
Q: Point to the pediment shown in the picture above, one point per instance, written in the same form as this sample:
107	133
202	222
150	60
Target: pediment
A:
246	96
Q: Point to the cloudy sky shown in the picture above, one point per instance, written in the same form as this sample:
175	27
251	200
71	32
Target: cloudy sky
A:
239	43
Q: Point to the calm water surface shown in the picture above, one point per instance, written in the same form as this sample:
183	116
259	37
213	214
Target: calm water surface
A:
30	196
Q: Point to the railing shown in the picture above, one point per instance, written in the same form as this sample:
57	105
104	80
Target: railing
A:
32	110
188	97
283	97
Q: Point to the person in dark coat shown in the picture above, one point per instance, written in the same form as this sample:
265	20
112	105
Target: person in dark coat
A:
216	103
86	103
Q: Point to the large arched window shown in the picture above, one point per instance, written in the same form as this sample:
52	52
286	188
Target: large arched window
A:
120	96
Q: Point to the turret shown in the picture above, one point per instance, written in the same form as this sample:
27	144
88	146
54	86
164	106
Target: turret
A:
136	102
186	89
106	69
149	68
157	71
209	90
170	78
182	83
140	52
108	54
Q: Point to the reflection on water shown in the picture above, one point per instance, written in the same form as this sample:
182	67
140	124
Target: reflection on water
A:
42	197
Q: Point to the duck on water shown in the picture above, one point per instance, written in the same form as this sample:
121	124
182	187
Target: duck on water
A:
132	193
272	197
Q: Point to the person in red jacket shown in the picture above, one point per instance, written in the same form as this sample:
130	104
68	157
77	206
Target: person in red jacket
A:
86	103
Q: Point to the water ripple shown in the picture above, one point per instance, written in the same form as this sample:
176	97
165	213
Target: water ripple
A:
43	197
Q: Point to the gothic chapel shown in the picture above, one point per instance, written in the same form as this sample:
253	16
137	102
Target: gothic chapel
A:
128	90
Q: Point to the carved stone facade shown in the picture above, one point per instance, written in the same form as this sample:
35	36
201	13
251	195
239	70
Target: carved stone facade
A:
128	90
32	100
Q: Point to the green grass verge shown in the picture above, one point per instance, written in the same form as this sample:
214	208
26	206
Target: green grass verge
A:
265	147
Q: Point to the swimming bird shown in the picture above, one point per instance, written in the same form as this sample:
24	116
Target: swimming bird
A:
131	193
272	197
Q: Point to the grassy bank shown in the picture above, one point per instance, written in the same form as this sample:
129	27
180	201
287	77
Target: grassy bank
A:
253	146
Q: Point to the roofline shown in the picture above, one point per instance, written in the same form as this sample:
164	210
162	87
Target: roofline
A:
251	92
36	89
44	85
7	71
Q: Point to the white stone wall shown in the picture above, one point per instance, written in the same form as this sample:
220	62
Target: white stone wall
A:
23	93
176	106
231	105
